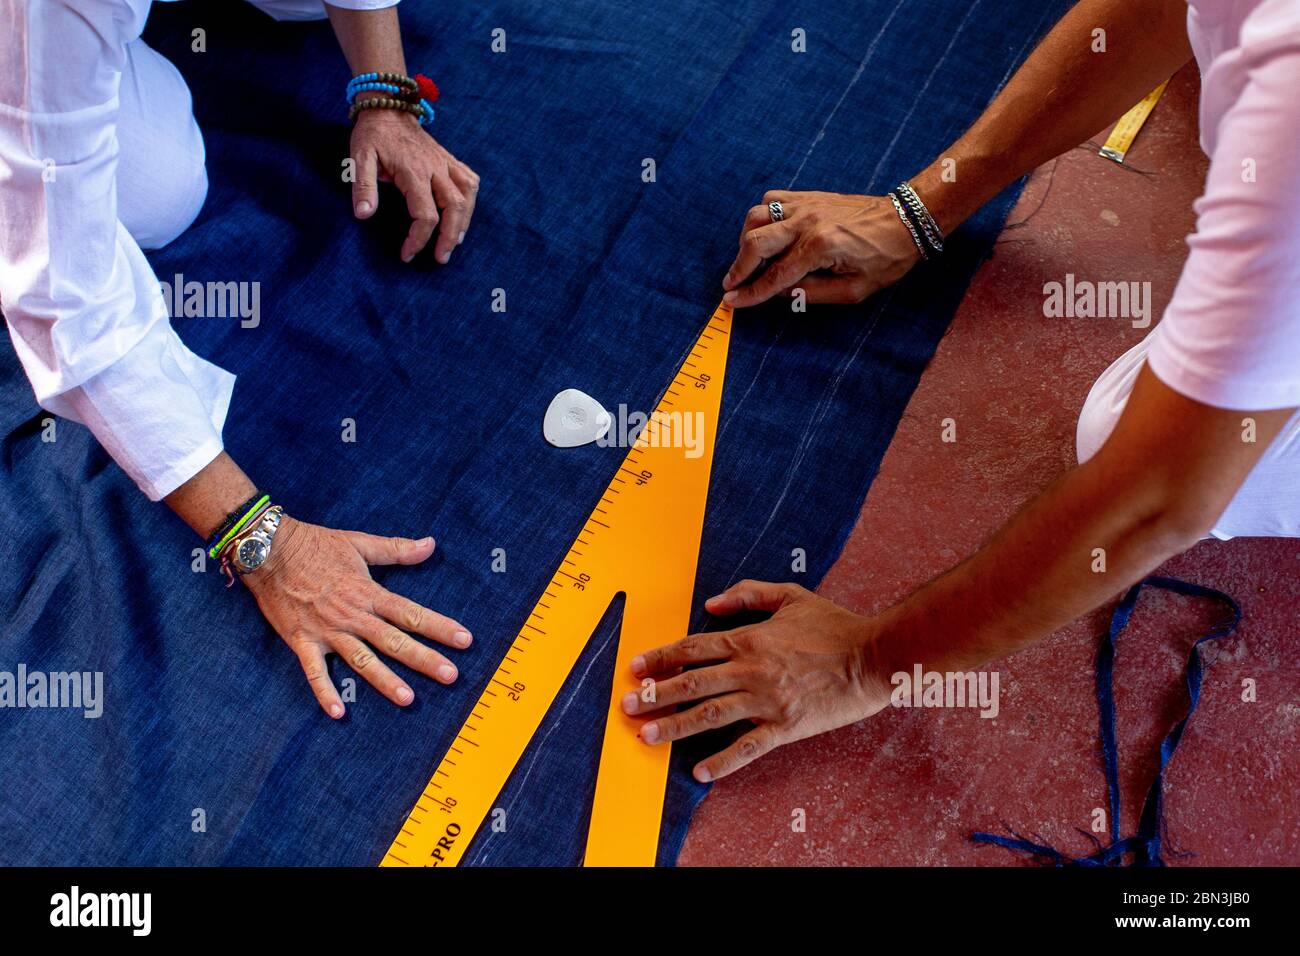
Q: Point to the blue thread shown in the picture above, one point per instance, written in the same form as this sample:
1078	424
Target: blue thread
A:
1145	844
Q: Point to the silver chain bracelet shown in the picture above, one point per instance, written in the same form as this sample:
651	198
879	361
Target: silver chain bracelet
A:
929	225
916	238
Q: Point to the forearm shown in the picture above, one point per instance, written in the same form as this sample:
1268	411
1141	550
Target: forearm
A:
1092	534
371	40
1063	94
205	500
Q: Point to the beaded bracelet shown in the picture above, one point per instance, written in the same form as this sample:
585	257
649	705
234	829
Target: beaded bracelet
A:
353	90
411	95
389	82
386	103
228	531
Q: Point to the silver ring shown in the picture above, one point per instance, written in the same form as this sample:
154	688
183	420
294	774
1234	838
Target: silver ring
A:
774	209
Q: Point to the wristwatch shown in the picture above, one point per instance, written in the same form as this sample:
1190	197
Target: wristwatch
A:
249	550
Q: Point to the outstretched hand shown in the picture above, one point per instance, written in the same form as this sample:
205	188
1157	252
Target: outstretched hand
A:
803	671
836	248
316	591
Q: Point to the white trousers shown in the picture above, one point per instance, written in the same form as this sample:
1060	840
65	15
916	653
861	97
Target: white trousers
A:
161	179
1268	502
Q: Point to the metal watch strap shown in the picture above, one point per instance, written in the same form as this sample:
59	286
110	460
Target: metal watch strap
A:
266	527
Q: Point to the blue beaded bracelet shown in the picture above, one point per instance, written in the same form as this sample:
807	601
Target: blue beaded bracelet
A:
355	88
396	82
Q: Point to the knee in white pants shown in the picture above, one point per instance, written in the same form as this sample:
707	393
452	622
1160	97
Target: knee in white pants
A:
292	9
162	180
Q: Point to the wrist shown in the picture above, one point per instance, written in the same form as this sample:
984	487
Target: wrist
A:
383	117
206	500
872	667
954	188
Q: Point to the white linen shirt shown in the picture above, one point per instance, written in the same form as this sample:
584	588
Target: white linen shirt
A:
85	312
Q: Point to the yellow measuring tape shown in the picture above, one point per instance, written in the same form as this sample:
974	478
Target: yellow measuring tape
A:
1126	130
643	540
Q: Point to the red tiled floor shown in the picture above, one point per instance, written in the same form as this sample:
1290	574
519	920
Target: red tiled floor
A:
906	787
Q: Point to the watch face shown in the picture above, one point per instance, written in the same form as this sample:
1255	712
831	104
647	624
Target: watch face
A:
252	553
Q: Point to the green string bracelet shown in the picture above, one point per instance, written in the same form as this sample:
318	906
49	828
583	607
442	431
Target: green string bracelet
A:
257	505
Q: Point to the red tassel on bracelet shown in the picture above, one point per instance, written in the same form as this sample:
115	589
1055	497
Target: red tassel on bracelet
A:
428	89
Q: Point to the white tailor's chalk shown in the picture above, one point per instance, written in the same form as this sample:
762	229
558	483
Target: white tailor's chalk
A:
574	418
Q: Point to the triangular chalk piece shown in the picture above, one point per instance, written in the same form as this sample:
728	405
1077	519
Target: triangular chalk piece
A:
574	418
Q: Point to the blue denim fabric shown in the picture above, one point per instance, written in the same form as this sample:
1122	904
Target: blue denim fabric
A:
608	280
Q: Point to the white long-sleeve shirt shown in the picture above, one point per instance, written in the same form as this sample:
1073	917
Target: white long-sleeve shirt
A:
85	312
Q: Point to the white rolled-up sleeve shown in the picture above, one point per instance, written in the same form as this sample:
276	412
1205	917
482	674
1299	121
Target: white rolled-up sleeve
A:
84	310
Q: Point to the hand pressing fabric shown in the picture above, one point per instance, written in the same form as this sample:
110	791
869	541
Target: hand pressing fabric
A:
316	591
391	146
803	671
836	248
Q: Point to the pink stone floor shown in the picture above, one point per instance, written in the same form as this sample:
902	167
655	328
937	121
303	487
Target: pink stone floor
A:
907	786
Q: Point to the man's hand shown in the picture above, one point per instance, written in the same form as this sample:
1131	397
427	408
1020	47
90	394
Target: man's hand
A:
803	671
316	591
391	145
857	244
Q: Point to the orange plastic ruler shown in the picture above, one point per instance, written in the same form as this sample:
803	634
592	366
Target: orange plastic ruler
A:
642	540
